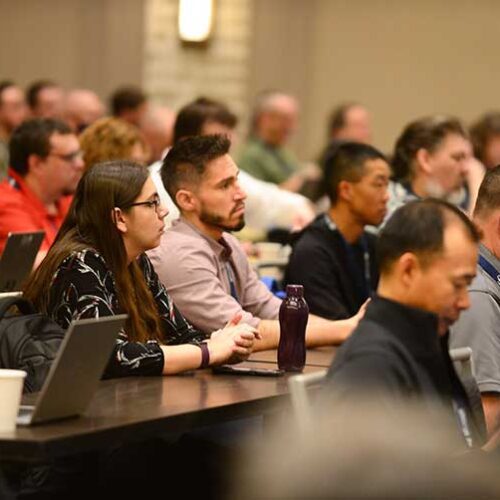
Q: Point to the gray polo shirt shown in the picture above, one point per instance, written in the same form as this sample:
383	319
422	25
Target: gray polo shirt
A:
479	326
211	281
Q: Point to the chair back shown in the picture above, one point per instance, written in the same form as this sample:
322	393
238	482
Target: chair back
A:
300	391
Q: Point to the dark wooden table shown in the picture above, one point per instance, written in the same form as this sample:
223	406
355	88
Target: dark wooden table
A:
317	357
138	408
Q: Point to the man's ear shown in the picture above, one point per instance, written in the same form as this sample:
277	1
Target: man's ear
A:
423	159
186	200
119	220
408	266
344	190
34	163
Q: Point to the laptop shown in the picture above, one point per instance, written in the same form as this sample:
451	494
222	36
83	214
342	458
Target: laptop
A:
18	258
74	375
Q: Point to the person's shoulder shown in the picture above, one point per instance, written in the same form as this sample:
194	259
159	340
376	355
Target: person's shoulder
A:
181	236
251	149
370	337
252	144
370	355
180	246
84	264
11	198
87	257
482	282
370	352
315	235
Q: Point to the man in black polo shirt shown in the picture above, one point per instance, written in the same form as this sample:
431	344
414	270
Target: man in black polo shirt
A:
334	257
427	254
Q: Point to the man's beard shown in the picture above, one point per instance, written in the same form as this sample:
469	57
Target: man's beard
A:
435	190
218	222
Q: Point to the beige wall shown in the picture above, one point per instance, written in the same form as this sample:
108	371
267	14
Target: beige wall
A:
175	74
401	58
89	43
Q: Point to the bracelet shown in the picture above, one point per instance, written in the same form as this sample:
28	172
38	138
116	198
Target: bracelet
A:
205	355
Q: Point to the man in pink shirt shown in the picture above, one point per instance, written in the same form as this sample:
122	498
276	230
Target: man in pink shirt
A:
203	267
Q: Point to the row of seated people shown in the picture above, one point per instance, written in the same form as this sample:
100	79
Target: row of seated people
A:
79	108
269	169
427	258
204	269
267	204
333	257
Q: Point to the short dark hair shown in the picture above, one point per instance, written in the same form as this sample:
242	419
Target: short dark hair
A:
185	163
488	198
126	98
35	88
5	84
193	116
418	227
345	161
338	117
33	137
482	131
425	133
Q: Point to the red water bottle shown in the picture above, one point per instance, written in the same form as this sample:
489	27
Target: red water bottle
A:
294	313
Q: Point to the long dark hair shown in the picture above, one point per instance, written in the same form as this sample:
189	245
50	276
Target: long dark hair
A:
89	223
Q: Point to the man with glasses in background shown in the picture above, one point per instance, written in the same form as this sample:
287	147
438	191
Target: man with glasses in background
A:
45	167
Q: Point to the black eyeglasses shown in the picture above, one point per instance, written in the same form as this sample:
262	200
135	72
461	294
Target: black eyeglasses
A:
70	157
154	203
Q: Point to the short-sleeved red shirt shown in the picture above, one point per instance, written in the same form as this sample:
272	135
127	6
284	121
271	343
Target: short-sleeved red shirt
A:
22	211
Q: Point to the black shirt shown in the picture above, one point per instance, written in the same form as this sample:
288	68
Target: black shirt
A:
333	272
396	350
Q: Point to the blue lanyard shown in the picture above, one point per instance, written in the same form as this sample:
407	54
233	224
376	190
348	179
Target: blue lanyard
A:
229	269
463	422
490	269
232	284
366	254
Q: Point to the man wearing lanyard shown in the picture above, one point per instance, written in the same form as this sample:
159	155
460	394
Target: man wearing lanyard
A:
45	167
202	265
427	253
479	327
334	257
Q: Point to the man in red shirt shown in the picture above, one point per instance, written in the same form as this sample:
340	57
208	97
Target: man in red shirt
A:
45	167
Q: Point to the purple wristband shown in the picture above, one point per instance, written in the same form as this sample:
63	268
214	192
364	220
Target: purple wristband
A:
205	355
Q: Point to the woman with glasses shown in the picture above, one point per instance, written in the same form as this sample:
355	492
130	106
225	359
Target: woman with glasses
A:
97	267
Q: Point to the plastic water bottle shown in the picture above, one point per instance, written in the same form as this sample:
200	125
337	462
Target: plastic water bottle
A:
293	316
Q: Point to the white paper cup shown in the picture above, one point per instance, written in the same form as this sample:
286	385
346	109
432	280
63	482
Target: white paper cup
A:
11	388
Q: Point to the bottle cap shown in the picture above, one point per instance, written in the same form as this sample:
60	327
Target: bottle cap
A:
295	291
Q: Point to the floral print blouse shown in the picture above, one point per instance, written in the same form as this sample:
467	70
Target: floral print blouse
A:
84	287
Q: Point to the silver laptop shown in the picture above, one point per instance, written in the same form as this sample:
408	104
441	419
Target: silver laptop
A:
18	258
75	373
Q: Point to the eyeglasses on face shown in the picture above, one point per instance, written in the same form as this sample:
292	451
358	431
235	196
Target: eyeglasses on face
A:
70	157
154	203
